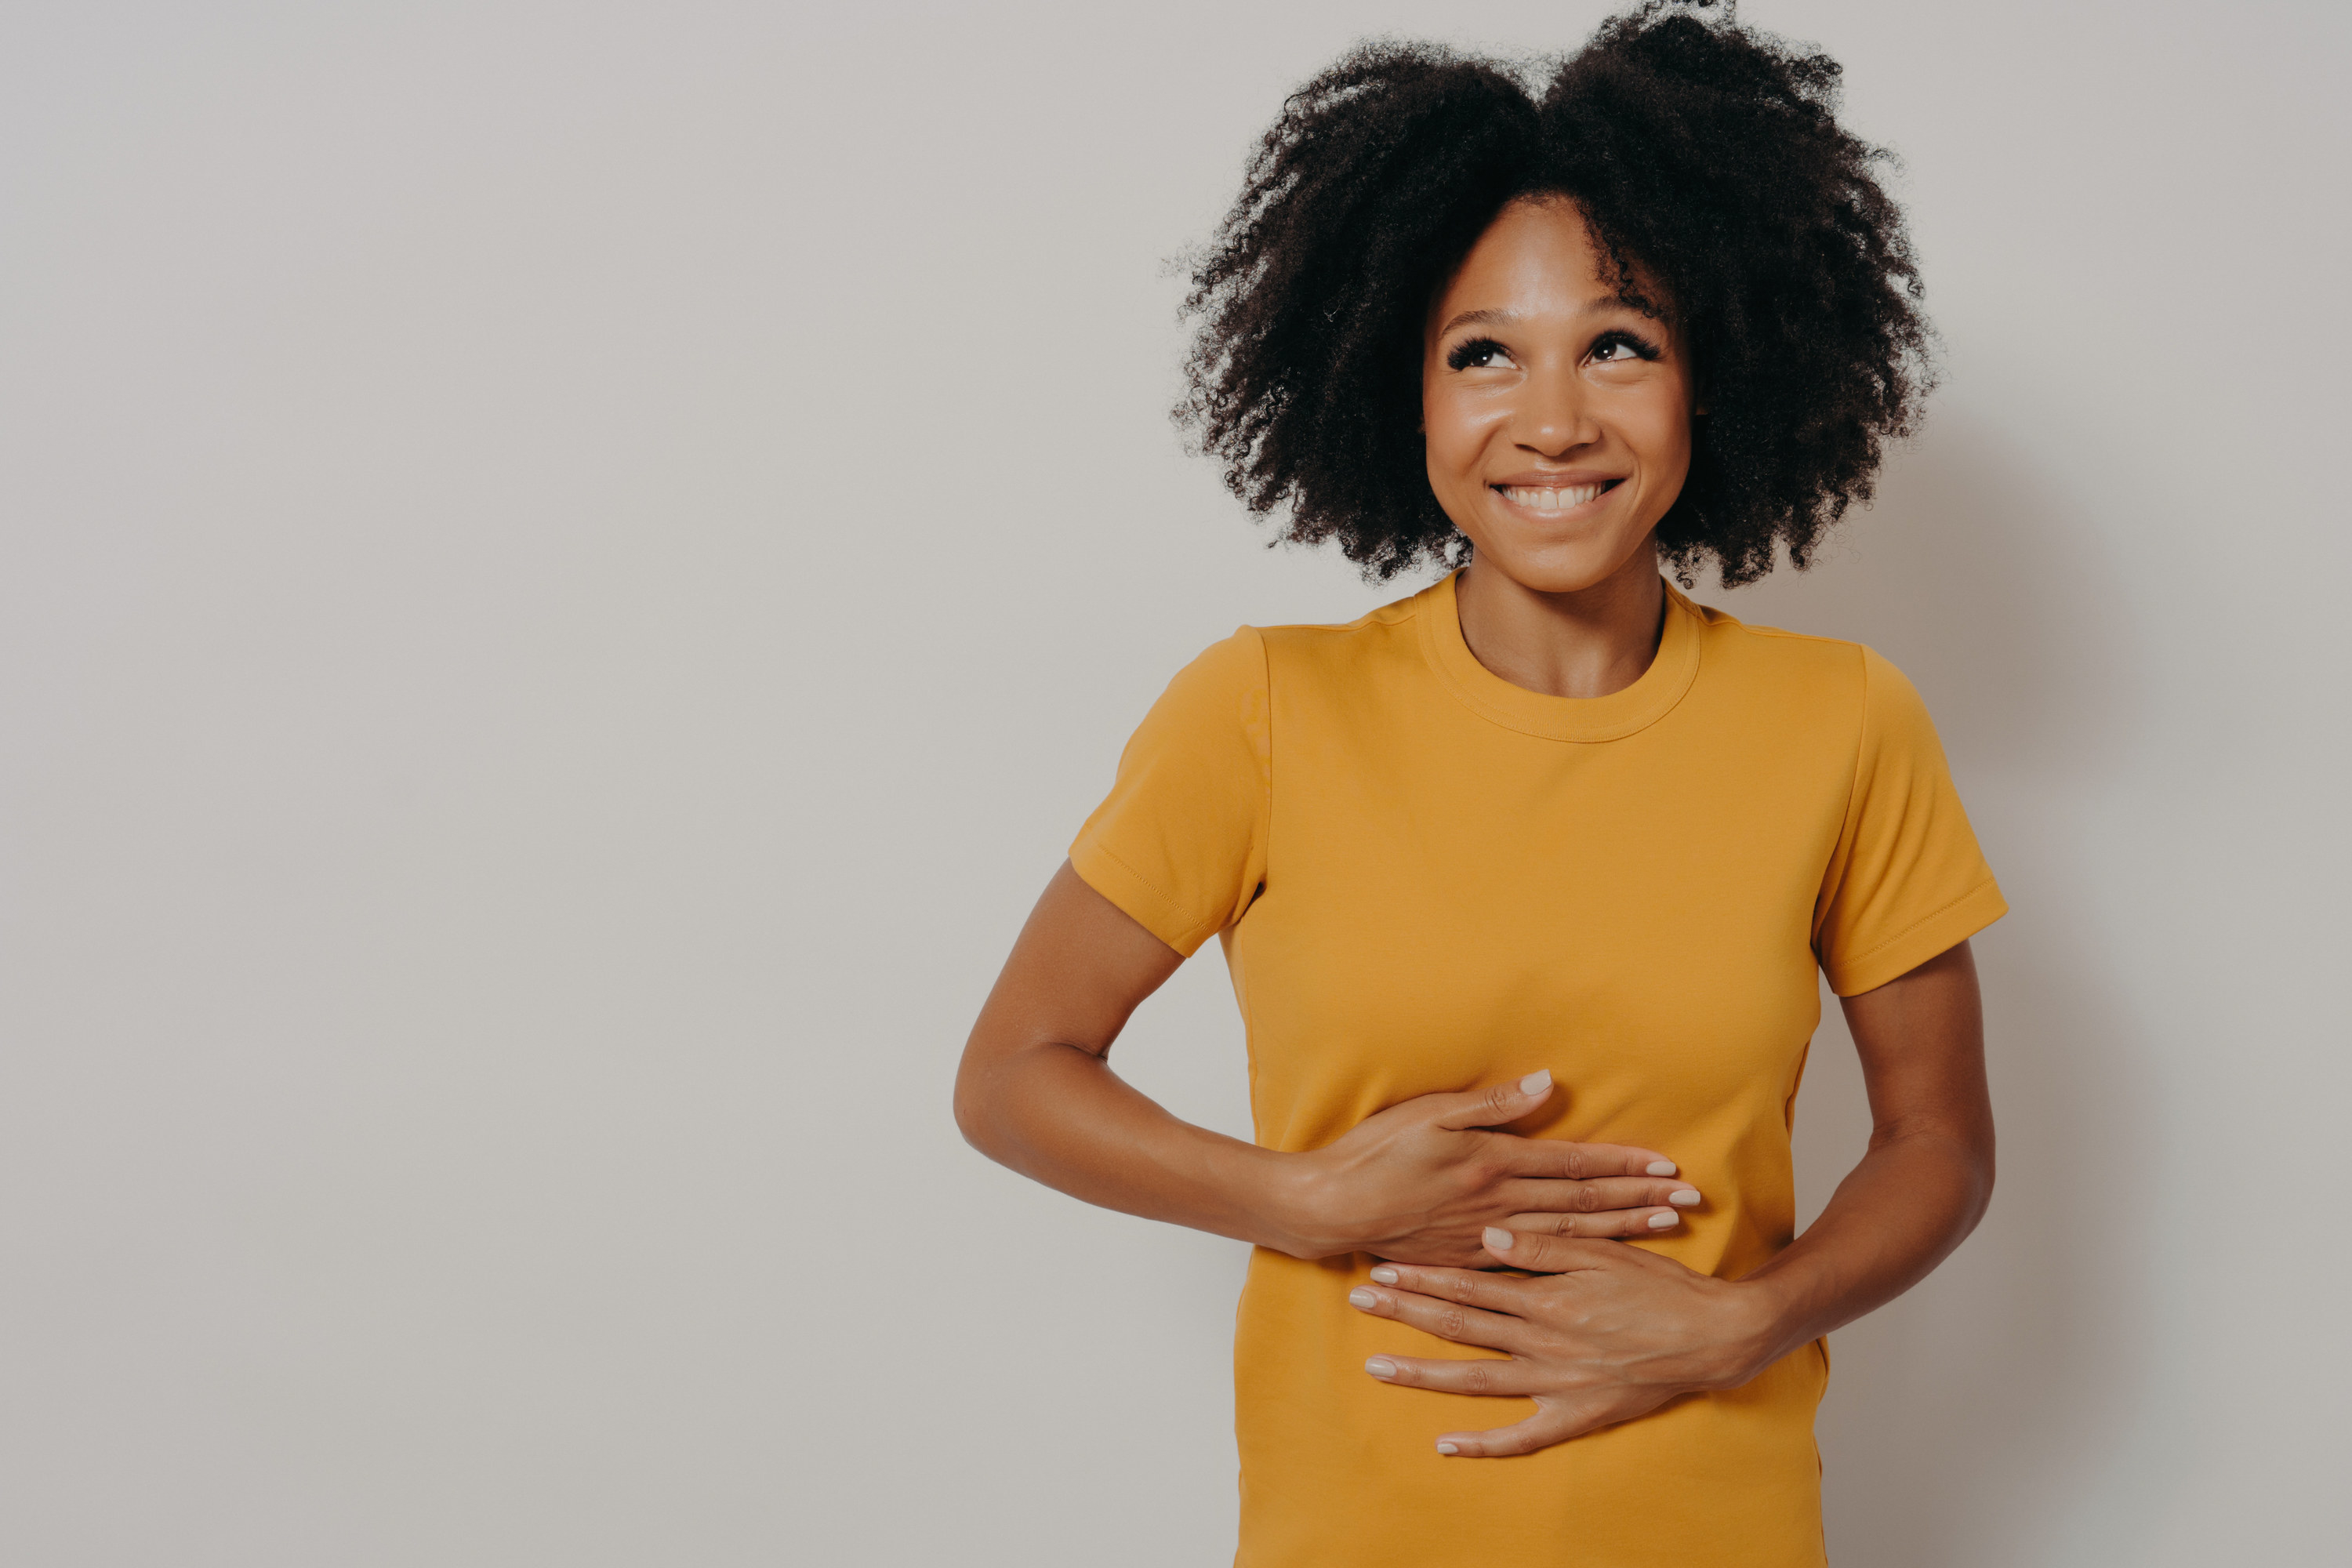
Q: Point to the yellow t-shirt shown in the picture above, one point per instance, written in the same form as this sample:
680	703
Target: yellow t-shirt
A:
1427	879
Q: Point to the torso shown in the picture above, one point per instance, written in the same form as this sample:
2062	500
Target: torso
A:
1465	881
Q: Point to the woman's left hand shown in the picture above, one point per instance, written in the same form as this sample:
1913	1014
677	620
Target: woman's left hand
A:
1612	1332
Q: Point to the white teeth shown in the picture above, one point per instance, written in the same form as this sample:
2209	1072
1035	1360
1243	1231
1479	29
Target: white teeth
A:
1552	499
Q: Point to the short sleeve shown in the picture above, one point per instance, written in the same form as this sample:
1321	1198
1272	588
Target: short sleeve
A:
1906	879
1180	843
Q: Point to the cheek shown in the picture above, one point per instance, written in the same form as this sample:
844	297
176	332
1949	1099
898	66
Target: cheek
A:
1660	432
1455	438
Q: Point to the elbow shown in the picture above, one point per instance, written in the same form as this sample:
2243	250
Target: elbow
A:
998	1097
1976	1137
1953	1161
971	1118
1975	1171
985	1113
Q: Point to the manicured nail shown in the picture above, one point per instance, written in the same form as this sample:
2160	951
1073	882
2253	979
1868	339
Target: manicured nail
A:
1380	1366
1447	1449
1536	1083
1384	1275
1360	1297
1660	1221
1686	1197
1496	1238
1661	1167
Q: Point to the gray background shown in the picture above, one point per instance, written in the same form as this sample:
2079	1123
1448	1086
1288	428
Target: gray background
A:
570	569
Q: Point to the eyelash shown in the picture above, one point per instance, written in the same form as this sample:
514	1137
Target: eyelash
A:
1466	355
1642	347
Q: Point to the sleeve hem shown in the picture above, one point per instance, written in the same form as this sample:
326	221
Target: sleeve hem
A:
1947	928
1146	905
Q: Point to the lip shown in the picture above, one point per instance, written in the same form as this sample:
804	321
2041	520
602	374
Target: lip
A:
1567	480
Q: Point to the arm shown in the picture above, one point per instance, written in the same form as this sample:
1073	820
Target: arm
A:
1421	1180
1928	1176
1614	1332
1036	1091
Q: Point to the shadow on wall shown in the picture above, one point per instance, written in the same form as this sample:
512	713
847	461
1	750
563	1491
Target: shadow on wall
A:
1962	1419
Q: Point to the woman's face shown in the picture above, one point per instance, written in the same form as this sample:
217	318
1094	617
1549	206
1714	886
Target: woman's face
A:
1558	419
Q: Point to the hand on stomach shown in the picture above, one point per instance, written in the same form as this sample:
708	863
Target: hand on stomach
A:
1420	1181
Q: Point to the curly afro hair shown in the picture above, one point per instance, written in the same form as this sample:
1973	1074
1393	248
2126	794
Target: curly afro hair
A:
1708	164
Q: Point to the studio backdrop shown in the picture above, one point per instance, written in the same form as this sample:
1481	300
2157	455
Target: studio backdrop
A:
570	570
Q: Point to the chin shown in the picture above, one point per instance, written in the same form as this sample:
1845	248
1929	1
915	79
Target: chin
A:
1566	568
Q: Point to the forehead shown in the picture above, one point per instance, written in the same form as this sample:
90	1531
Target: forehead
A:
1538	259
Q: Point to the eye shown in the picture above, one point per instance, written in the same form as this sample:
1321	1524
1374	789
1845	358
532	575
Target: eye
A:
1479	353
1620	347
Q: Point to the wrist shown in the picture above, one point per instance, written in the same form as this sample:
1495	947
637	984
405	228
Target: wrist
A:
1764	1324
1303	1208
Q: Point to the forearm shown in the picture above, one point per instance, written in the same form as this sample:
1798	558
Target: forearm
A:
1912	1199
1058	1114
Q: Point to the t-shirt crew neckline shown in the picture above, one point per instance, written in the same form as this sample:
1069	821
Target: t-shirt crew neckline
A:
1609	717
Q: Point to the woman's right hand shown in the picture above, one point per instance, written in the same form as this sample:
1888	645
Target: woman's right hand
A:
1419	1180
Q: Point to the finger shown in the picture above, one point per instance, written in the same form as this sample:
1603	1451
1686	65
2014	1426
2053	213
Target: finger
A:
1483	1375
1505	1293
1552	1424
1558	1157
1493	1107
1547	1254
1615	1224
1446	1320
1598	1195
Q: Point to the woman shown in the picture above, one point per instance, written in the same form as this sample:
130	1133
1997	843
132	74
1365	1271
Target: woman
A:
1524	880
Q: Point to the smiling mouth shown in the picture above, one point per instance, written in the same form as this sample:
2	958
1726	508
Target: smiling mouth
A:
1562	499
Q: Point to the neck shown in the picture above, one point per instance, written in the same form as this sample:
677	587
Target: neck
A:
1587	642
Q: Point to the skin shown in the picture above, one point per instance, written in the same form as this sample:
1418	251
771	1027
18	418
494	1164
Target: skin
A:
1535	376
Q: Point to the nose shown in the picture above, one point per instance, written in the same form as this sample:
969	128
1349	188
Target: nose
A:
1555	417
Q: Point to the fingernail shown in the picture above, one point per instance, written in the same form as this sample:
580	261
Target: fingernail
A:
1496	1238
1686	1197
1380	1366
1661	1167
1384	1275
1447	1449
1660	1221
1360	1297
1536	1083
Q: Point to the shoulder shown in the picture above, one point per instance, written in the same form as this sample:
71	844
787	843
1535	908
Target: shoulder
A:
1235	663
1852	688
1348	651
1839	670
1239	677
1223	688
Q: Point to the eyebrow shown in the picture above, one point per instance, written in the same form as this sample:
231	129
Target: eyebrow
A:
1506	317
